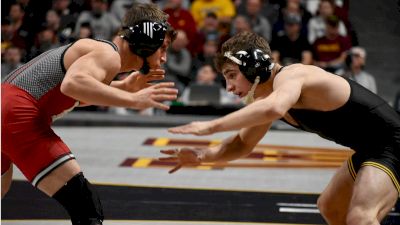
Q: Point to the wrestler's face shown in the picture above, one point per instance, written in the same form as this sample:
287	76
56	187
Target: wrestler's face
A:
236	82
160	56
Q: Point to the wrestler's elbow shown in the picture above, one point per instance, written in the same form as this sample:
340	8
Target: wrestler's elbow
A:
66	86
275	111
70	85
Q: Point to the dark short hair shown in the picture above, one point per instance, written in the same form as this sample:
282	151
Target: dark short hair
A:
332	21
241	41
212	15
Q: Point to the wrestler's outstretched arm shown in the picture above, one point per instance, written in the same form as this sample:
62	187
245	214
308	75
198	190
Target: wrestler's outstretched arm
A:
231	148
286	93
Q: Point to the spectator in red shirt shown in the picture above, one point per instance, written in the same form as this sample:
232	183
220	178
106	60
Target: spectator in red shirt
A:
181	19
330	50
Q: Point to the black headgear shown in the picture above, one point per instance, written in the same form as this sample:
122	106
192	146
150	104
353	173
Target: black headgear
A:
145	38
252	63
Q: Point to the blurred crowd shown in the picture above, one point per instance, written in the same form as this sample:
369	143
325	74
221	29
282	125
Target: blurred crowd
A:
316	32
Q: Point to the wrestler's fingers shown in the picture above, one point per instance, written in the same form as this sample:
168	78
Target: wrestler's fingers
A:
169	159
159	105
164	85
175	168
166	91
157	71
155	77
161	97
170	151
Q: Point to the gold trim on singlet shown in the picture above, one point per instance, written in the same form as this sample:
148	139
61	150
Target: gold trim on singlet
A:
386	170
351	168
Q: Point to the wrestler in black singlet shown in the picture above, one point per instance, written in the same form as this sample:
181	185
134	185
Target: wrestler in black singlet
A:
365	123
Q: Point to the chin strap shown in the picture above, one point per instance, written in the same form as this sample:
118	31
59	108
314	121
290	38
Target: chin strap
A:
249	98
145	68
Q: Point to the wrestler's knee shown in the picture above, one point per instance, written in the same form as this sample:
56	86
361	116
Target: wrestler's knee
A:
4	189
359	216
6	180
332	214
81	201
323	206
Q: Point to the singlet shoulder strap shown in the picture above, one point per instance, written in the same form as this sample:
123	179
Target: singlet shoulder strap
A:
109	42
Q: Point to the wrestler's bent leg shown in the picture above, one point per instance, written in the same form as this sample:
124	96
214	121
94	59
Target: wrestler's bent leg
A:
374	195
6	179
334	200
70	188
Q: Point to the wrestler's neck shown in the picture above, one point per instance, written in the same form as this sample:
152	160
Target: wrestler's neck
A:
129	61
266	88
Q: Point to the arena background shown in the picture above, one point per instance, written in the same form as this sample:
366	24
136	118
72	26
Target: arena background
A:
119	154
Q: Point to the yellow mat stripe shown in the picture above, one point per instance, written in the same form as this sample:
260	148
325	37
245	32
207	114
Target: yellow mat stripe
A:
142	162
214	142
161	142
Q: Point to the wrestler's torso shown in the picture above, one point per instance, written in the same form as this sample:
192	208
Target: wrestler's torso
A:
365	121
41	78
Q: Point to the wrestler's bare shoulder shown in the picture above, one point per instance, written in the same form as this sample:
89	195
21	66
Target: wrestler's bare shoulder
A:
85	46
321	90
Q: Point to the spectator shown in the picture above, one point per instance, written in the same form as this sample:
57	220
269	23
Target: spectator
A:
181	19
269	9
85	31
210	49
18	34
6	34
223	9
211	31
317	25
67	22
355	63
179	61
12	60
240	23
330	50
291	7
118	7
292	46
52	20
45	40
206	75
104	24
163	4
258	23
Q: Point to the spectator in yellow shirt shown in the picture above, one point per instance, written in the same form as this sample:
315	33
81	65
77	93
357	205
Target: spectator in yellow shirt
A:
224	9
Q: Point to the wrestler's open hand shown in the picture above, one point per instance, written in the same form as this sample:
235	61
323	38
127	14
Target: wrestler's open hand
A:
196	128
136	81
154	96
183	157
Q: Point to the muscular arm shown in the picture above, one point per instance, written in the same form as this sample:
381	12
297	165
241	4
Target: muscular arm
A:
237	146
118	84
86	77
286	93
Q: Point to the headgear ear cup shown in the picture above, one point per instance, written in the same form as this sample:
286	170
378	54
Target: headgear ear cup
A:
254	63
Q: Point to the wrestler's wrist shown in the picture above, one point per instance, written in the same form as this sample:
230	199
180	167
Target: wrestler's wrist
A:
215	126
207	156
